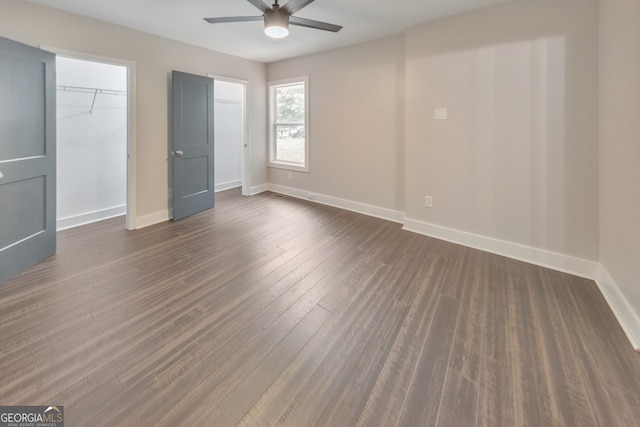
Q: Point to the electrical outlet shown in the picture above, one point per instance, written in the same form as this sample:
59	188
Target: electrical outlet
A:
428	201
289	176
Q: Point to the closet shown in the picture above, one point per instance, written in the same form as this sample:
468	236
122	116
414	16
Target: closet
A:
91	141
229	129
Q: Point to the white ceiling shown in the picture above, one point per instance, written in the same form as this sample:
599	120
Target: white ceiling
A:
181	20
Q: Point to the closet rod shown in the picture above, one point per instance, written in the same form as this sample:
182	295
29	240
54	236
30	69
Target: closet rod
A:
92	90
227	101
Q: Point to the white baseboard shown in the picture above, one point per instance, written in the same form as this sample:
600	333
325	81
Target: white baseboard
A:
627	317
363	208
555	261
153	218
258	189
89	217
227	185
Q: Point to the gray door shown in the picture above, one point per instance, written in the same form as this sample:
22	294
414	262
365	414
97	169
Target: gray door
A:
27	157
192	144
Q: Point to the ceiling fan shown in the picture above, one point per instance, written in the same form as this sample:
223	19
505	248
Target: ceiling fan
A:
277	18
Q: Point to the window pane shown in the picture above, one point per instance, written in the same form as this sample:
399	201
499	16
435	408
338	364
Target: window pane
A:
288	139
290	104
290	143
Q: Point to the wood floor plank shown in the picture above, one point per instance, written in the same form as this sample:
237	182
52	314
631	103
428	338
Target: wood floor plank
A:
347	404
546	394
424	399
533	402
385	403
232	407
467	347
571	404
313	398
459	402
277	400
270	311
611	389
497	384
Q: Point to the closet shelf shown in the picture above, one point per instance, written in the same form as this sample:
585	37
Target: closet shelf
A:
92	90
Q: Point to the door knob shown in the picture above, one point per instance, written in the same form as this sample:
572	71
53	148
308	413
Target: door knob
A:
178	153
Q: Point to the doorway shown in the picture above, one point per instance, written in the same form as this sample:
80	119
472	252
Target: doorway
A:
230	130
96	139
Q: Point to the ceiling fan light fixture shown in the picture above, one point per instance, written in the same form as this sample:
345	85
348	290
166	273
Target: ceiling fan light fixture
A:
276	24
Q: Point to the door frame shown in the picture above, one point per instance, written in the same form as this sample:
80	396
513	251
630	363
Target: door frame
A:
246	158
131	121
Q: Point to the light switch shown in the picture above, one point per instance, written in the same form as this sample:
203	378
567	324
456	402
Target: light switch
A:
440	114
428	201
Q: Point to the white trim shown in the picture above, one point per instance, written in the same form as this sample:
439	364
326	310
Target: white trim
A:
89	217
227	79
132	155
288	166
227	185
627	317
553	260
362	208
131	207
258	189
246	172
153	218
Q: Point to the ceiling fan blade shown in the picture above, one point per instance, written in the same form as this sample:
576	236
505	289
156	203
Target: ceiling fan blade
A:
293	6
233	19
310	23
260	5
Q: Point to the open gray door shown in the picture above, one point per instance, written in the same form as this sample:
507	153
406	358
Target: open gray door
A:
192	144
27	157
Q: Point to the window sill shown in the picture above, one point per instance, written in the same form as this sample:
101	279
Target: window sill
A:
288	166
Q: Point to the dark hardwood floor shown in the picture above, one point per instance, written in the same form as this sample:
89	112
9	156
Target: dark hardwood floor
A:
272	311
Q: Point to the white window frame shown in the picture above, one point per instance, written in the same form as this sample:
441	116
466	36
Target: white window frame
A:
273	162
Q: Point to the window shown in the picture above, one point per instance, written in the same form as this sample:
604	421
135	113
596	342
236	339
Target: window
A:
288	130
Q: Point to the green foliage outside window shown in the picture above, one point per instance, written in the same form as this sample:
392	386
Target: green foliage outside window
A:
290	104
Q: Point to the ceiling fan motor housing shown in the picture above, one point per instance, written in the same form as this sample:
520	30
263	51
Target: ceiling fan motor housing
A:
276	23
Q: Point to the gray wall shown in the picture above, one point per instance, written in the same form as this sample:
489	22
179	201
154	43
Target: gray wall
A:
620	147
